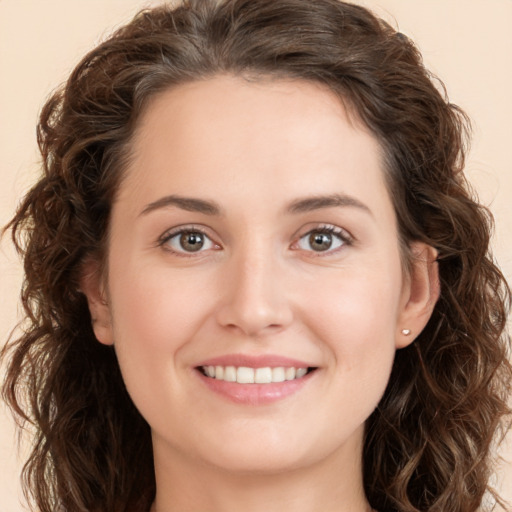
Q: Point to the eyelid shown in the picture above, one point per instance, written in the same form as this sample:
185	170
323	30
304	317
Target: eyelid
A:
341	233
185	228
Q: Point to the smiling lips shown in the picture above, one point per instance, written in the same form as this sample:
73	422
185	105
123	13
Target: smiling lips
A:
246	375
254	380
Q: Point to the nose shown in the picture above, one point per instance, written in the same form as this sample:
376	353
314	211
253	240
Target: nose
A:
254	301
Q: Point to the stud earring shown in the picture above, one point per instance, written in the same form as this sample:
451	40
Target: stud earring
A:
406	332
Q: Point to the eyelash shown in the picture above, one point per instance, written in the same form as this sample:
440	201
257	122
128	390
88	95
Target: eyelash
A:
168	236
342	235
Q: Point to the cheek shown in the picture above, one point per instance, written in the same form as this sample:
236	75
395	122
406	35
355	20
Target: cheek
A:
355	315
352	318
155	315
156	308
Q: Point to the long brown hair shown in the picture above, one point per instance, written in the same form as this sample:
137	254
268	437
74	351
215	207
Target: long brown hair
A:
427	445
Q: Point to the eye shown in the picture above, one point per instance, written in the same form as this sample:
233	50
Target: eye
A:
325	239
187	241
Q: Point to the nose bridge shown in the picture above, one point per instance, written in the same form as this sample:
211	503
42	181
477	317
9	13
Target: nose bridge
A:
255	298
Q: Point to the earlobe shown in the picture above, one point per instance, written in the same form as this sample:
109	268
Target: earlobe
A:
91	284
421	294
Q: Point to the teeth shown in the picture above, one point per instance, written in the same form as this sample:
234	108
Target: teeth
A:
289	373
229	374
301	372
278	374
245	375
263	375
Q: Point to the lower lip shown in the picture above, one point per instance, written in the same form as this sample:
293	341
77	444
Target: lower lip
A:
255	394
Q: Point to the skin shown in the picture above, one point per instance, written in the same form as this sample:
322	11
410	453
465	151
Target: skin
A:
259	287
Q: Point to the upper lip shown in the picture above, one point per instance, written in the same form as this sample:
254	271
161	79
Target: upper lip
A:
260	361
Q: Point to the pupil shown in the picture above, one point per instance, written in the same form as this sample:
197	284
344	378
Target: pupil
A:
320	241
192	241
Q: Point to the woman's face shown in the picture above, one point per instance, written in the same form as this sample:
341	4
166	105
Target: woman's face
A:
253	238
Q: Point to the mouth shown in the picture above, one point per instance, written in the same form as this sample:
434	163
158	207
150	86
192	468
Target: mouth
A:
255	380
260	375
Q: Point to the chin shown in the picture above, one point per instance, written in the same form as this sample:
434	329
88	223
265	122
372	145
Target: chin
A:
262	463
265	456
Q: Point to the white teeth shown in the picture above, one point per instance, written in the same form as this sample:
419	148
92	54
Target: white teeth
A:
263	375
278	374
289	373
246	375
219	372
229	374
301	372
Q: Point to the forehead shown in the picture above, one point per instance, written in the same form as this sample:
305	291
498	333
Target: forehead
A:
273	136
202	104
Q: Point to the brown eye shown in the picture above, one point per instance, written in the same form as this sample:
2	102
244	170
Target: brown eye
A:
320	241
326	239
191	242
187	241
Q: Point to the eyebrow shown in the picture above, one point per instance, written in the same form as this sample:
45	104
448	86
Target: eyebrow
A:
303	205
189	204
309	204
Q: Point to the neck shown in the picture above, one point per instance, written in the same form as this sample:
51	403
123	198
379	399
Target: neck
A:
331	485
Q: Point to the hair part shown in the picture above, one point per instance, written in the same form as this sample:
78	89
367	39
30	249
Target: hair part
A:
428	443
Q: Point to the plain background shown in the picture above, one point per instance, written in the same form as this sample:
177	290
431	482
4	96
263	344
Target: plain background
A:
468	43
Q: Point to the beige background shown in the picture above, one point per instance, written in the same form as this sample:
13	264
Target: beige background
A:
466	42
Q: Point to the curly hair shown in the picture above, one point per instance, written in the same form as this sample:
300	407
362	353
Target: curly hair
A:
428	444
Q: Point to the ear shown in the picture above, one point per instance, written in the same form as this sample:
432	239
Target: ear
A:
420	293
91	284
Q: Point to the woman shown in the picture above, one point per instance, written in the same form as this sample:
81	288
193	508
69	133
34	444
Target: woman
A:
254	274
